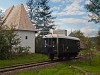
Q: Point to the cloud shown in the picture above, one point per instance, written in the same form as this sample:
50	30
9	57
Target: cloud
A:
1	8
56	0
87	2
89	31
55	8
86	17
74	8
76	1
59	14
63	13
74	21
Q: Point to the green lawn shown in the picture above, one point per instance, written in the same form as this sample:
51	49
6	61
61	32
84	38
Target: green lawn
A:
93	68
23	60
64	69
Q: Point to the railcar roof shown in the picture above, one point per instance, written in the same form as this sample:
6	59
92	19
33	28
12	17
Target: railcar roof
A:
60	36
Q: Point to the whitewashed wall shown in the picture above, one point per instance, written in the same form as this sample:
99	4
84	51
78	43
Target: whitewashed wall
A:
30	41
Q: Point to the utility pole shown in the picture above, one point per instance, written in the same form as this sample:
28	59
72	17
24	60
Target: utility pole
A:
57	45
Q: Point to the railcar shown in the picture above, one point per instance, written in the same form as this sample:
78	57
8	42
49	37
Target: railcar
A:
61	46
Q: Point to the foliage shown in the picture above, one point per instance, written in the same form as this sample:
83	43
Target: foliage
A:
21	51
9	41
29	58
84	41
40	14
94	8
98	41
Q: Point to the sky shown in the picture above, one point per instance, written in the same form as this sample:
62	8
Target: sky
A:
70	15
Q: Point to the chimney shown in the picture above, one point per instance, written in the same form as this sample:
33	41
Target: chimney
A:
65	32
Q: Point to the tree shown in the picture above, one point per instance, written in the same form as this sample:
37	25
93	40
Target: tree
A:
9	42
40	14
94	8
86	44
80	35
98	41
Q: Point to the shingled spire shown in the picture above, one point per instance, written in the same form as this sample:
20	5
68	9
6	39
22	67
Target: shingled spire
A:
17	17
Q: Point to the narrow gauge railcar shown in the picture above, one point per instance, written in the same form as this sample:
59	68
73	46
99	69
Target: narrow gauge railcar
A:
61	46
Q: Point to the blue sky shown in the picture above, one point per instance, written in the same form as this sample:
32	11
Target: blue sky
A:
70	14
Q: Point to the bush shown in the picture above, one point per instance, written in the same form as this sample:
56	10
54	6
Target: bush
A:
9	43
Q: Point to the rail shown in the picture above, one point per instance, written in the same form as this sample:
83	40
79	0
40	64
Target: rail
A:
31	65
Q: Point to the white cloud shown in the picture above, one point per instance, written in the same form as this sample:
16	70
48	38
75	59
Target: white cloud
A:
75	8
71	12
87	2
56	0
63	13
59	13
58	23
74	21
88	31
86	17
76	1
1	8
55	8
70	9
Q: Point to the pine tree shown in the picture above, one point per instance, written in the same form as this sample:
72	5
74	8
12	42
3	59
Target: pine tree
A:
40	14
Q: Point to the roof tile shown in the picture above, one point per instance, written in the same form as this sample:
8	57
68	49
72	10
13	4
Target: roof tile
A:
17	17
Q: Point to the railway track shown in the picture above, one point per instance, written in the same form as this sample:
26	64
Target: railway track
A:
6	70
13	69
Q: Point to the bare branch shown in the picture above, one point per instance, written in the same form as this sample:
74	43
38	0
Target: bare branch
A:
94	4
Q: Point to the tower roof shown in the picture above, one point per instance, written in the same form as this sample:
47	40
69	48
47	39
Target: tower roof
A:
17	17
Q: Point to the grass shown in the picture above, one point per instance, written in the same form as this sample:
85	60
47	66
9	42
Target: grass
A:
23	60
61	69
64	69
93	68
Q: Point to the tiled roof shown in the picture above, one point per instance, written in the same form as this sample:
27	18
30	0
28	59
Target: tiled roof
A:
17	17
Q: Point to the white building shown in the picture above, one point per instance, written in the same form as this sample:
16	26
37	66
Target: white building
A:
16	16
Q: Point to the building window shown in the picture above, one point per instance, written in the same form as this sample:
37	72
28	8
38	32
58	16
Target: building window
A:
26	37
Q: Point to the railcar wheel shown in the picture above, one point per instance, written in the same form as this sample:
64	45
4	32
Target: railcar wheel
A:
51	56
60	57
75	54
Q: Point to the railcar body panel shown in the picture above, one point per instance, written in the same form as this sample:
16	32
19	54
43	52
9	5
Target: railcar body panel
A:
62	46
